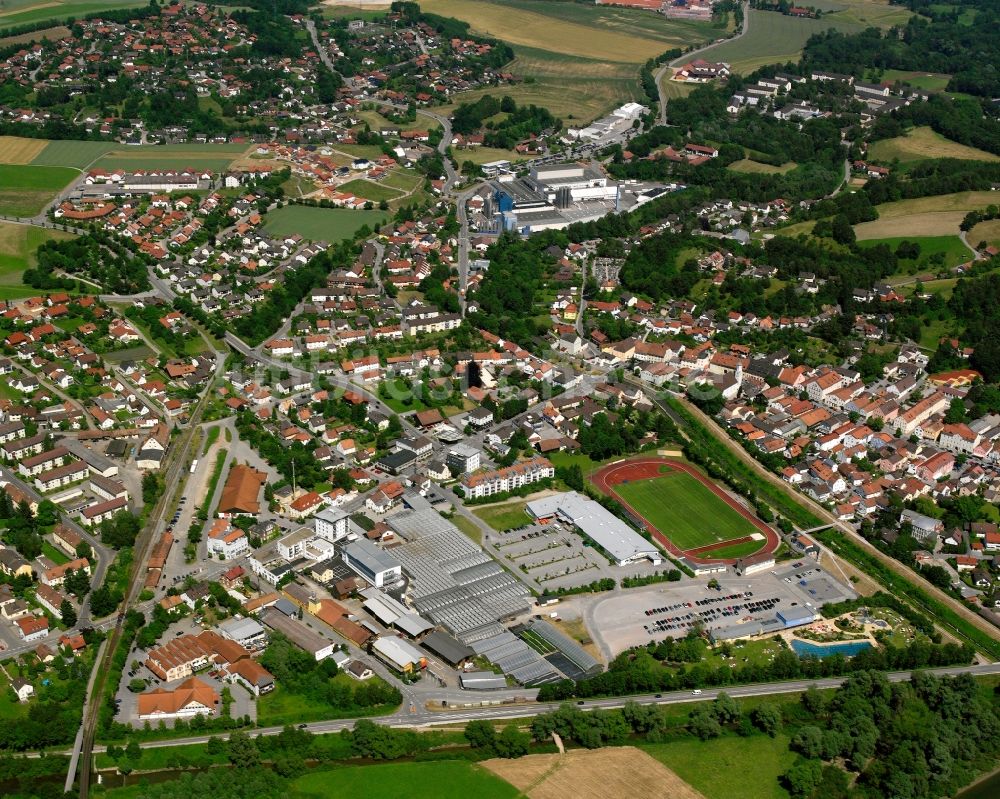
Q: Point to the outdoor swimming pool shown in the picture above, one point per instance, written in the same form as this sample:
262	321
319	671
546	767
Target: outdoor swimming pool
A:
846	648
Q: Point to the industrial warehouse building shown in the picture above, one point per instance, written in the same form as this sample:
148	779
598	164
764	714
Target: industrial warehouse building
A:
623	544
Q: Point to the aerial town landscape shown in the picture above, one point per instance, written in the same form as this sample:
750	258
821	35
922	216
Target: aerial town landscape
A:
529	399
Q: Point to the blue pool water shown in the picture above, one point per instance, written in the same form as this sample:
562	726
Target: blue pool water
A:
846	648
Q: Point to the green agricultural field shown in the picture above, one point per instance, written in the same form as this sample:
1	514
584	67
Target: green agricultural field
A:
504	517
684	510
590	32
448	779
77	154
22	12
25	189
932	250
369	190
577	60
730	767
920	144
321	224
773	38
215	157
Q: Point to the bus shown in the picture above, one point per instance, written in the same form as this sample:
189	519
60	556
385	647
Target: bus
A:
194	465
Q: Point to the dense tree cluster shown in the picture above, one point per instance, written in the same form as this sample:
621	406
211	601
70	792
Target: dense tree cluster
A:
298	673
945	44
649	669
94	256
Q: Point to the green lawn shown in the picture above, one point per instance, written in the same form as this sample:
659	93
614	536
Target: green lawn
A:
57	556
448	779
469	527
504	517
730	767
321	224
928	81
684	510
282	707
25	189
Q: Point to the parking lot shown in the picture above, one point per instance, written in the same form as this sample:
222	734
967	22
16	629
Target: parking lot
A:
671	610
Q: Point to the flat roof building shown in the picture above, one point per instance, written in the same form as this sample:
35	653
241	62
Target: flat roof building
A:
375	565
623	544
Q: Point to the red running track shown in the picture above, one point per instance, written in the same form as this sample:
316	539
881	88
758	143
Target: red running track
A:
646	468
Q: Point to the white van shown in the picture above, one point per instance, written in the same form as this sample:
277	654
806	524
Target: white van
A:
696	692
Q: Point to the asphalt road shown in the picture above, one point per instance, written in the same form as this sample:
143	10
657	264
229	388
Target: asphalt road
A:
421	717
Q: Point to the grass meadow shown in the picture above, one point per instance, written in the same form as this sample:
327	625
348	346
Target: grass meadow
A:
25	189
320	224
939	215
773	38
449	779
950	248
920	144
729	767
505	516
685	510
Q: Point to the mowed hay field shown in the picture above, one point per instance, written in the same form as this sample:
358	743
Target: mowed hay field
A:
985	231
26	189
684	510
757	168
924	216
18	150
920	144
621	772
52	34
772	38
591	32
449	779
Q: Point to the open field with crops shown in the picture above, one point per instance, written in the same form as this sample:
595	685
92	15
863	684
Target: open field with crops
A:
18	150
620	772
579	61
22	12
920	144
25	189
569	29
215	157
54	34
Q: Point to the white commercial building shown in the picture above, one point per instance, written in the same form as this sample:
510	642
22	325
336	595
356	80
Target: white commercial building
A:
617	539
